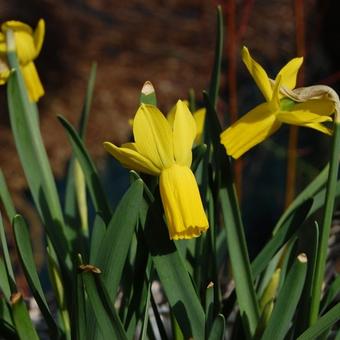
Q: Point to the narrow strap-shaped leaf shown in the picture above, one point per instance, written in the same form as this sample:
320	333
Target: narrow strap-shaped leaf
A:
331	293
4	282
172	273
326	222
34	160
8	264
290	226
21	318
6	198
308	193
146	314
115	244
98	233
158	318
98	196
104	311
218	328
286	303
322	324
233	225
7	328
216	72
23	244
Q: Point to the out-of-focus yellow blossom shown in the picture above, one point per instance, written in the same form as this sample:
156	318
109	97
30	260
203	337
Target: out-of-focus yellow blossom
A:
28	45
162	148
266	118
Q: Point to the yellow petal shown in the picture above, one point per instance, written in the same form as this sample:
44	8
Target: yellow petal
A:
289	73
171	115
24	42
199	117
258	73
4	72
15	26
250	130
39	35
318	106
153	136
301	117
184	133
3	46
32	81
319	127
182	203
130	158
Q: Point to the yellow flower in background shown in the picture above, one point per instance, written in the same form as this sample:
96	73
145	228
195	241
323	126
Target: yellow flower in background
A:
162	148
266	118
28	45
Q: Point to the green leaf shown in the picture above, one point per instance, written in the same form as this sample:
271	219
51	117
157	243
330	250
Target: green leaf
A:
98	196
172	273
23	244
216	72
218	328
106	316
7	330
6	198
289	227
21	318
287	301
116	241
322	324
331	294
8	264
98	234
33	157
4	282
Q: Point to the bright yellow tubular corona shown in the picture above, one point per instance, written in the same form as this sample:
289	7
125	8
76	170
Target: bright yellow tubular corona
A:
266	118
163	147
28	45
182	203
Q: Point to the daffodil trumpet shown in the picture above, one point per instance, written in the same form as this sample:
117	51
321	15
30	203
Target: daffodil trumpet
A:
280	107
19	37
162	148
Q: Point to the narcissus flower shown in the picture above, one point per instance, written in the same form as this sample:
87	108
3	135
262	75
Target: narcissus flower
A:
266	118
162	148
27	45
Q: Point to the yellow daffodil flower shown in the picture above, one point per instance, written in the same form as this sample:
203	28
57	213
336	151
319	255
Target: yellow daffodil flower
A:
28	45
162	148
266	118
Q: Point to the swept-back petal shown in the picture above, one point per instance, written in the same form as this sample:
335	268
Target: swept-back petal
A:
131	159
182	203
184	133
153	136
319	127
39	35
258	73
318	106
4	72
289	73
15	26
301	117
250	130
32	81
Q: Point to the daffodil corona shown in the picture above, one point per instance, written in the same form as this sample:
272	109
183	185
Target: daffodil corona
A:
27	46
162	148
266	118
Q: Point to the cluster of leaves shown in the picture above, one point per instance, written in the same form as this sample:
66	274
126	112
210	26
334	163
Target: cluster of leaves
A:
128	249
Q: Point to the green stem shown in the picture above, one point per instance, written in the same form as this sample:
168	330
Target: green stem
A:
326	225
